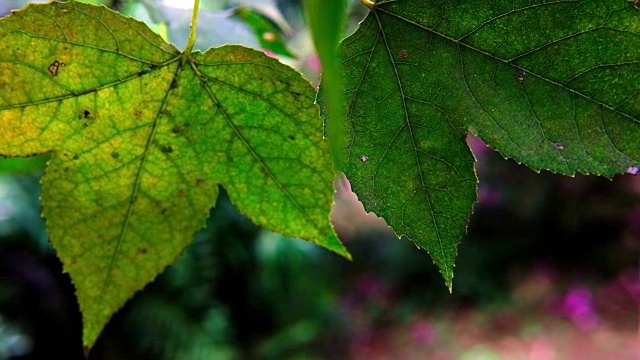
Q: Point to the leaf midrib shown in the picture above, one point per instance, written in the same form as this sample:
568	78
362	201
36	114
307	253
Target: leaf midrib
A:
413	140
73	94
248	146
136	184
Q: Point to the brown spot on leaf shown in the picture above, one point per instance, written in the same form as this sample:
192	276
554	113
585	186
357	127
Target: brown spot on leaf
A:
520	74
404	54
54	67
115	155
142	251
76	157
167	149
558	146
199	182
180	193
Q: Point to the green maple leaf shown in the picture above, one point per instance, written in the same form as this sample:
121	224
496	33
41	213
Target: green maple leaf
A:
140	138
551	84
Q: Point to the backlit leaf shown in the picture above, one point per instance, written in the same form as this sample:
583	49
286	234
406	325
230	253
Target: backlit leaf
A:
141	137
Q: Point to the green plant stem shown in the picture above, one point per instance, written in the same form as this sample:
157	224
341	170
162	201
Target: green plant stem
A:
192	30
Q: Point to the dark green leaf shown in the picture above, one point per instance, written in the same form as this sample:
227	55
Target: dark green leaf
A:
552	84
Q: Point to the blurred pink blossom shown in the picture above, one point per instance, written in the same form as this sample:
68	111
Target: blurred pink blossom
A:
423	332
577	305
313	61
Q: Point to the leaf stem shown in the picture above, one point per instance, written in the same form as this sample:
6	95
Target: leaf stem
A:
192	30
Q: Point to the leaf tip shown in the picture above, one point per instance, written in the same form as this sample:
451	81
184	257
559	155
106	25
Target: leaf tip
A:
86	350
341	250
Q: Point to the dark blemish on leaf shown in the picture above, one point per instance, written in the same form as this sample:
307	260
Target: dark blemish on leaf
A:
54	67
363	158
634	170
204	79
174	84
142	251
167	149
163	211
199	182
520	74
558	146
137	113
176	130
180	193
292	138
84	114
76	157
115	155
404	54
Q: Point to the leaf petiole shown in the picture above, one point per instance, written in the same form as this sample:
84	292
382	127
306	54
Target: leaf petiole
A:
192	32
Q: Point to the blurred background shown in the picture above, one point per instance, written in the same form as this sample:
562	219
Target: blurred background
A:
549	269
